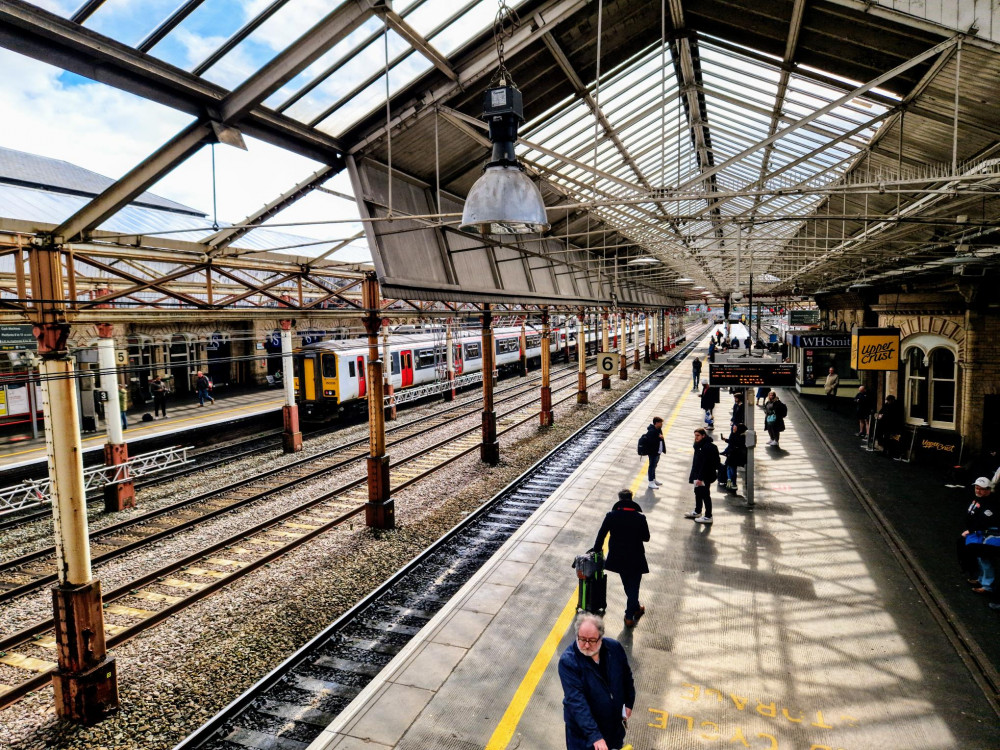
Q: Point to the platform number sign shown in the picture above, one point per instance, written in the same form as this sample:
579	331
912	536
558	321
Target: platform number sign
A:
607	363
121	357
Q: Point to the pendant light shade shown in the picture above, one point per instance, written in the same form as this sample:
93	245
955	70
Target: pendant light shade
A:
504	200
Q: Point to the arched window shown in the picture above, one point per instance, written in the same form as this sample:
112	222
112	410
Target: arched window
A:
916	386
942	388
931	386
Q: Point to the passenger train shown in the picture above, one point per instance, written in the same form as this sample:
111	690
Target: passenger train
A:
330	376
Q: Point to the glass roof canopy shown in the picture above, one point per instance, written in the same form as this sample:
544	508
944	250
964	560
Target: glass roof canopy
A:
642	102
689	149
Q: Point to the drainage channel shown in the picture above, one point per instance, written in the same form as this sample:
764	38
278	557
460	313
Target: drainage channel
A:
289	707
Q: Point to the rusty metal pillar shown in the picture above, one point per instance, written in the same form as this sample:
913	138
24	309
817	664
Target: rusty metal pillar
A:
380	510
605	379
635	341
291	437
666	331
523	345
647	323
489	451
390	410
622	350
449	358
582	397
117	495
86	681
545	415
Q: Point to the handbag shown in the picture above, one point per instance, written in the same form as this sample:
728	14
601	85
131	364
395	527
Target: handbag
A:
770	419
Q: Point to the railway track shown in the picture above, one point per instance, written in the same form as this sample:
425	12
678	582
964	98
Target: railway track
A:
217	456
149	599
291	706
29	572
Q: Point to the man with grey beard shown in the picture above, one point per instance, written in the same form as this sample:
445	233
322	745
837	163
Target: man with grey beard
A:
598	692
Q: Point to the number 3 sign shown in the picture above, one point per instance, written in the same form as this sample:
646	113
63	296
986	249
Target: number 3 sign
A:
607	363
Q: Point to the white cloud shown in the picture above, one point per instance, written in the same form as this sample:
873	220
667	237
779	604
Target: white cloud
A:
109	132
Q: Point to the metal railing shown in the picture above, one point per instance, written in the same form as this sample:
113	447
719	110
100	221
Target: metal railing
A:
33	492
413	393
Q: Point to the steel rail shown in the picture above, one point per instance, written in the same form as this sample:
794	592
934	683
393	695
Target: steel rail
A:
27	636
47	553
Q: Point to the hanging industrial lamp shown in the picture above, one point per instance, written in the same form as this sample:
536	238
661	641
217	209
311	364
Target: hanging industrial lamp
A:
503	200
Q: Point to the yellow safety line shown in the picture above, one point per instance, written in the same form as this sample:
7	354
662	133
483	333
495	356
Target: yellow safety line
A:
197	416
515	709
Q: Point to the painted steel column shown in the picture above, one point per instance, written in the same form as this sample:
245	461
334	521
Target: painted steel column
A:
647	323
120	495
291	438
582	397
85	685
523	345
449	358
545	415
489	451
622	349
749	413
605	379
635	342
380	510
390	410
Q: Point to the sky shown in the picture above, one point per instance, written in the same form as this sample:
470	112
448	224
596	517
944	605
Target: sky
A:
63	116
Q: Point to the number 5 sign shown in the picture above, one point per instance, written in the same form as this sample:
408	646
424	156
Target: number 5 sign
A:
607	363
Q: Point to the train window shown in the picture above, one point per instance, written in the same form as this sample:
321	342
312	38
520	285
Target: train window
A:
350	368
426	358
395	363
473	351
505	346
533	342
329	365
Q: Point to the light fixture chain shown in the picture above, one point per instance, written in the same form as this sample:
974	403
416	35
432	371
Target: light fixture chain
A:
504	25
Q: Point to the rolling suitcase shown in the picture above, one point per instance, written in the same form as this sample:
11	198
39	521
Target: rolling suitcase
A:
592	587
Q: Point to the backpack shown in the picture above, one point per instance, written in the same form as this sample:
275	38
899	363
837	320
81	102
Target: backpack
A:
642	447
781	410
714	463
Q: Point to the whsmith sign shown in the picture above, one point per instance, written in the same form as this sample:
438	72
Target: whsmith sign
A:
875	348
822	340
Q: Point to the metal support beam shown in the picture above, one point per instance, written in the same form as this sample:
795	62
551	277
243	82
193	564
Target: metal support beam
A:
86	682
582	397
545	415
489	451
291	437
605	379
380	510
622	348
117	496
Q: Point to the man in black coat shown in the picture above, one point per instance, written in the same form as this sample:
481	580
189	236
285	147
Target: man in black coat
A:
888	424
696	372
704	470
653	447
628	531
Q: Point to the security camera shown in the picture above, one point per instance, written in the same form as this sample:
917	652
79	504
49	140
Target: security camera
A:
737	296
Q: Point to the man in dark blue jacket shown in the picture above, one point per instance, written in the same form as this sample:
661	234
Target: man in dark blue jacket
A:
628	530
598	692
653	446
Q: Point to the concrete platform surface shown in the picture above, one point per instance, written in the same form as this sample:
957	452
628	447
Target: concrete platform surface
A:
182	416
787	627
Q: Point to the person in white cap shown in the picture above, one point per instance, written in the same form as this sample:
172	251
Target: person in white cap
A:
981	518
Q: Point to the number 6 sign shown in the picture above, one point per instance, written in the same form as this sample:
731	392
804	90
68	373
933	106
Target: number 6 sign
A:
607	363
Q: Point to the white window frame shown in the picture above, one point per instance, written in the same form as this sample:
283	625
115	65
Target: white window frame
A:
927	344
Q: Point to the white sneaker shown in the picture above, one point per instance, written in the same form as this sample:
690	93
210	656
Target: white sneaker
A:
703	519
657	482
652	485
691	514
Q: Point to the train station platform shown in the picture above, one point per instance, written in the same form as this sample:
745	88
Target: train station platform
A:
791	626
183	415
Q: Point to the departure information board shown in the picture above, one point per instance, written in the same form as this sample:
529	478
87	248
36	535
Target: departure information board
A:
751	374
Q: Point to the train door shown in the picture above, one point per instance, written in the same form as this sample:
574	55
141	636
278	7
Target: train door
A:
361	377
406	368
457	361
309	377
